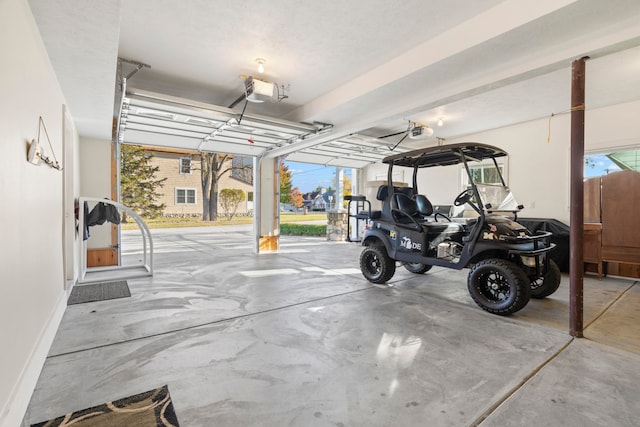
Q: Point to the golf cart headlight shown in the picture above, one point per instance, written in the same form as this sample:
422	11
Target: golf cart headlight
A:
529	261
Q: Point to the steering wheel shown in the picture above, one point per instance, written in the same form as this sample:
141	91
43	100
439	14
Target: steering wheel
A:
463	197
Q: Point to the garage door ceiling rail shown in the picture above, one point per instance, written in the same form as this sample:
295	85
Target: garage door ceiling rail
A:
153	119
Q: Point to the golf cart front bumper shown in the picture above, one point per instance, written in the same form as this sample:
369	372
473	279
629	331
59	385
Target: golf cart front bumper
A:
533	257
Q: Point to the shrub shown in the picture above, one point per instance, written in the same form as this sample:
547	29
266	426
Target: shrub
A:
229	200
303	230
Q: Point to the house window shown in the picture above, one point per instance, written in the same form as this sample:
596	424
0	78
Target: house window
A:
242	168
484	174
185	196
489	185
249	196
185	165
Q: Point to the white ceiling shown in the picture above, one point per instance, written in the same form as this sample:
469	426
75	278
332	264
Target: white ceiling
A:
367	67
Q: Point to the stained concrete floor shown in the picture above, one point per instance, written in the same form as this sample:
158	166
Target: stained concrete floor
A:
300	338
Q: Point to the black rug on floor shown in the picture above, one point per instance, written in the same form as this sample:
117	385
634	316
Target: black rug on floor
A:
99	292
149	409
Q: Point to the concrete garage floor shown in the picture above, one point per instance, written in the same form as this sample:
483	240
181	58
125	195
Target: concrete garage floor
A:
300	338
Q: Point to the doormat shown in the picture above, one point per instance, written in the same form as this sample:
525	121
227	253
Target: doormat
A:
149	409
99	292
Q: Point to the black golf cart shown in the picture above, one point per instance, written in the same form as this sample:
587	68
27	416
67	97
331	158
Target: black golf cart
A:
508	264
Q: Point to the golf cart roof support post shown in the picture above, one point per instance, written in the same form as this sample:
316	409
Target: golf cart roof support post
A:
495	163
481	220
389	198
476	194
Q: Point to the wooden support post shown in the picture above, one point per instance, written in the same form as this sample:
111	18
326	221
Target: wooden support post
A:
267	205
576	216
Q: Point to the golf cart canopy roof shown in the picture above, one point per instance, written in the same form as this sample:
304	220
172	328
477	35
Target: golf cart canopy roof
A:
444	155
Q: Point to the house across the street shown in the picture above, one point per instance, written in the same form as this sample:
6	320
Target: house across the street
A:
182	190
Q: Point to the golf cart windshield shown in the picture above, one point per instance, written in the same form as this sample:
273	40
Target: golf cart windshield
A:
496	198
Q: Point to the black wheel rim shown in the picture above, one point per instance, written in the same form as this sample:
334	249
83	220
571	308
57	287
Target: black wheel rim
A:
372	264
494	286
535	284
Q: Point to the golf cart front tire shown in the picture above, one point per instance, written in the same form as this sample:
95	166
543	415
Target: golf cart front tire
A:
499	286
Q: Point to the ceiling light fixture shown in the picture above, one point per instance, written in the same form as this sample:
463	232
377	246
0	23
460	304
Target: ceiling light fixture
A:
261	63
440	121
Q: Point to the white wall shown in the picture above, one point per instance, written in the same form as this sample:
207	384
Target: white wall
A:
95	181
613	127
538	172
31	261
440	184
95	168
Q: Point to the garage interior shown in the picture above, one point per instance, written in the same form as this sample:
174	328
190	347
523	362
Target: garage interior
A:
247	338
299	338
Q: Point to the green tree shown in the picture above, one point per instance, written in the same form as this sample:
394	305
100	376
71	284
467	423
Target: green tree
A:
138	183
212	167
285	184
211	171
229	200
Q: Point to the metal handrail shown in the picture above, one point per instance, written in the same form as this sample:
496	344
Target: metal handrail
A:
146	235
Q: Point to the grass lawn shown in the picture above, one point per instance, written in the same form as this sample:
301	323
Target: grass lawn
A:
285	218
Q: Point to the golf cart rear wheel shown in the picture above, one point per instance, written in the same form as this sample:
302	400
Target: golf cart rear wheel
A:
546	285
499	286
375	264
417	268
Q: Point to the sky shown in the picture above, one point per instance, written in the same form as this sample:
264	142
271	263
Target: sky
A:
599	165
308	177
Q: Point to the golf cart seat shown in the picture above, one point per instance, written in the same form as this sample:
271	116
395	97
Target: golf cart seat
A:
383	192
412	208
424	206
383	196
417	206
406	211
419	209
